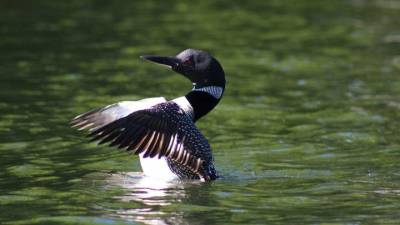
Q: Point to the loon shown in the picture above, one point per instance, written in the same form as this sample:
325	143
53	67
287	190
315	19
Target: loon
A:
161	132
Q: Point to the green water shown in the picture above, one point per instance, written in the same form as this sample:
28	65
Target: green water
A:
307	132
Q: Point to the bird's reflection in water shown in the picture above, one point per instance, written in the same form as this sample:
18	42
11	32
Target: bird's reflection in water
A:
152	193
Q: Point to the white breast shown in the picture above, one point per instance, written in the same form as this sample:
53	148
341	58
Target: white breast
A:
157	168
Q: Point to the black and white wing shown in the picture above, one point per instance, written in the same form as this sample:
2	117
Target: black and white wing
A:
162	130
100	117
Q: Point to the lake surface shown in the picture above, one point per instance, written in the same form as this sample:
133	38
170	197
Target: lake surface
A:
307	131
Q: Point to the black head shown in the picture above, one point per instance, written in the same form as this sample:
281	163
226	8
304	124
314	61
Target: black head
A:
198	66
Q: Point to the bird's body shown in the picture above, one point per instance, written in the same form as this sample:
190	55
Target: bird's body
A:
163	132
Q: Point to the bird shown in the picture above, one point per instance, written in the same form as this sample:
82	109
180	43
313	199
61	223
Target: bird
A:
163	132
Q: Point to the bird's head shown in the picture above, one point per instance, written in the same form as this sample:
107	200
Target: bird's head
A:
198	66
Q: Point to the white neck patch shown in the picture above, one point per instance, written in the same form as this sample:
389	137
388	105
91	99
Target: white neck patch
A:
214	91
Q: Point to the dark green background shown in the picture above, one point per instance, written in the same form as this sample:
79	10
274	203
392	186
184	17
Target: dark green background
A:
307	132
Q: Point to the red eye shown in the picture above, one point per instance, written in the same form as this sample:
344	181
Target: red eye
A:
187	62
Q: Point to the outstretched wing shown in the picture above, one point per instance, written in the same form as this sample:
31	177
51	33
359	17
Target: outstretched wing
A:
162	130
100	117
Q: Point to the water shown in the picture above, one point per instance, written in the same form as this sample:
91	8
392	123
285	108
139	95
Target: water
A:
307	132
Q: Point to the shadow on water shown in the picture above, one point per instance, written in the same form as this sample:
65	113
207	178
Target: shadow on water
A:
307	131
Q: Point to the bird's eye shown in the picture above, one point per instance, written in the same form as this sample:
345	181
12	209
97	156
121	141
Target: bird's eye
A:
188	61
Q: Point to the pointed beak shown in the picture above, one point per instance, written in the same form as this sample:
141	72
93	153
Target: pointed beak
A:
169	61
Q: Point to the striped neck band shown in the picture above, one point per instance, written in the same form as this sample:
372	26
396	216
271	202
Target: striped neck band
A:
214	91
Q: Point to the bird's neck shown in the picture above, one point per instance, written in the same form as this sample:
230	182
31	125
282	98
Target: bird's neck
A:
200	101
204	99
